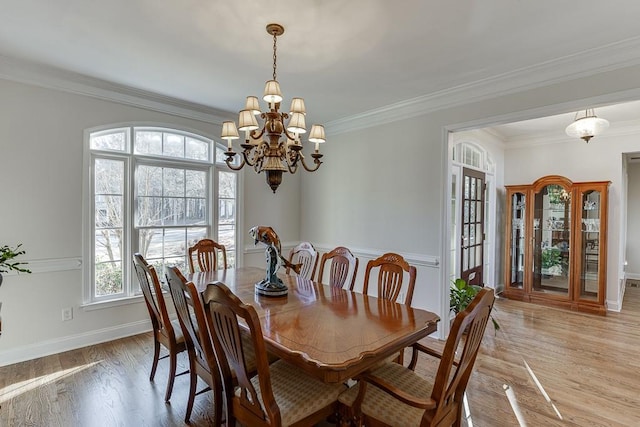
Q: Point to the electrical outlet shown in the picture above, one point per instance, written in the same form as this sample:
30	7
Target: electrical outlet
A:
67	314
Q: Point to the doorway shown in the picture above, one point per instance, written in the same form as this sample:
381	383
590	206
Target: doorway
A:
471	254
472	222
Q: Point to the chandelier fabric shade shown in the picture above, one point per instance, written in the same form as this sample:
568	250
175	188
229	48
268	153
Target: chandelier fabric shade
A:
586	126
273	147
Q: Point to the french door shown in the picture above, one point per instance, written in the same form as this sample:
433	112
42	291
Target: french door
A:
472	222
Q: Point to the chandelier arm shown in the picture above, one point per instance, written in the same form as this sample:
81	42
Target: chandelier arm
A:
286	132
229	161
257	167
291	159
245	158
292	168
256	135
316	161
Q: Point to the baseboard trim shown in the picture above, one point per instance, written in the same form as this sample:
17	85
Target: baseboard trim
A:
72	342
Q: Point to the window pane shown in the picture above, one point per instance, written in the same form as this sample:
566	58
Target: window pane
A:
114	141
196	211
108	278
175	242
173	182
149	211
227	184
196	149
109	176
148	142
196	183
227	211
150	243
227	237
148	181
173	145
195	234
108	245
173	211
108	211
227	189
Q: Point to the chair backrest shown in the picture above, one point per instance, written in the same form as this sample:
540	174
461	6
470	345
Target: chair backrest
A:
305	254
344	267
223	311
206	253
150	285
449	387
390	277
192	319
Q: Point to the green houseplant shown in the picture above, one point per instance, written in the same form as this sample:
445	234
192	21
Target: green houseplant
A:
7	260
460	296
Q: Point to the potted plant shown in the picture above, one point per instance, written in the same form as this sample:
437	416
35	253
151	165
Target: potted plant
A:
7	260
551	262
460	296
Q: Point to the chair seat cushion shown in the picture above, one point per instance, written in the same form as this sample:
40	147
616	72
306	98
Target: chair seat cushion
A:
386	408
297	394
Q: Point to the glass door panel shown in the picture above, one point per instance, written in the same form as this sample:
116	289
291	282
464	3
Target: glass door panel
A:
590	241
518	242
552	236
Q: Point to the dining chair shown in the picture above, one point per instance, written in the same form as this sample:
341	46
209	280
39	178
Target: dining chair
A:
343	269
208	253
165	331
391	268
305	254
392	394
202	359
280	394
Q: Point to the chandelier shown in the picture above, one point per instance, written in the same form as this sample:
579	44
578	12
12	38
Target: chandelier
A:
586	126
264	148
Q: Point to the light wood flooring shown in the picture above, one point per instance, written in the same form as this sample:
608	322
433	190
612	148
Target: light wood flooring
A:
558	368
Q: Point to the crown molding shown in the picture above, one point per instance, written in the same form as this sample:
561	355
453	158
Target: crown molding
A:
22	71
580	64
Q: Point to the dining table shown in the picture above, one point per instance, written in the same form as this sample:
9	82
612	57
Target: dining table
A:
331	333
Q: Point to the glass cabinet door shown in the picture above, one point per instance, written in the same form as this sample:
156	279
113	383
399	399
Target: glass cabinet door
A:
517	240
590	245
551	240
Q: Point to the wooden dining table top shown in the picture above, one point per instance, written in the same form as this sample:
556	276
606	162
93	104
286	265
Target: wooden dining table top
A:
331	333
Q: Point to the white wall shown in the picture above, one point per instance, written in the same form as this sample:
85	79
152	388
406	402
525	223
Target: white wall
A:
41	142
379	191
633	221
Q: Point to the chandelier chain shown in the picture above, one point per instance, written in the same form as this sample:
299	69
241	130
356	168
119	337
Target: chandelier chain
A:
275	57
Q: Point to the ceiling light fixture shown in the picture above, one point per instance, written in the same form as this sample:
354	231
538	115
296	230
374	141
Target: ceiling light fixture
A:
586	126
263	149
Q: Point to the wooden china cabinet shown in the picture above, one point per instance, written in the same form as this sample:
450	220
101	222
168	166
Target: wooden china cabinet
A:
556	243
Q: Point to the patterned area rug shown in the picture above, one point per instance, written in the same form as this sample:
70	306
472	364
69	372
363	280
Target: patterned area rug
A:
632	283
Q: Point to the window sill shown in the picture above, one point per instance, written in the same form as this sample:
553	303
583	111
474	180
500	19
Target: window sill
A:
100	305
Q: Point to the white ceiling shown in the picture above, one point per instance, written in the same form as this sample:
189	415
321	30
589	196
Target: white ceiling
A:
343	57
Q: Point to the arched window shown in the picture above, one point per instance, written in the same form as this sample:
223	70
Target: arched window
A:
155	191
470	154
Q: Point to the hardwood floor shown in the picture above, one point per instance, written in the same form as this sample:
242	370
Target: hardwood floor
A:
588	367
